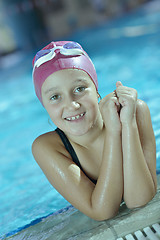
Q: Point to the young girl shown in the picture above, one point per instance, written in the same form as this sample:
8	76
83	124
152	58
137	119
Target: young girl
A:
100	153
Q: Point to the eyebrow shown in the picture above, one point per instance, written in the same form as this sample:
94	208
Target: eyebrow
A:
56	88
81	80
51	90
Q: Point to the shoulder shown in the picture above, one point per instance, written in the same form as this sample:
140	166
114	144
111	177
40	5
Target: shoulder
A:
48	144
142	111
143	114
144	122
47	139
42	145
142	106
147	136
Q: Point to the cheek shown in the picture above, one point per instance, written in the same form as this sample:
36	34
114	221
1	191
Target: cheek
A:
91	100
95	110
54	113
93	107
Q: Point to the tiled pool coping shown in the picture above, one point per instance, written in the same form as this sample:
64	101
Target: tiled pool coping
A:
69	223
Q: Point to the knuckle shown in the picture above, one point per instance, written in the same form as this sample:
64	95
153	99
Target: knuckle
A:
132	97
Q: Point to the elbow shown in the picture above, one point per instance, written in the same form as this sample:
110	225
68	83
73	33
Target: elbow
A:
140	202
105	211
101	218
104	215
135	205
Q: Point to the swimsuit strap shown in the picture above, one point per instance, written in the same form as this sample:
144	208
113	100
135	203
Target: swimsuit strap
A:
68	146
70	149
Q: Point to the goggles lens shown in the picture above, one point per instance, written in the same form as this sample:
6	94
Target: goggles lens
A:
72	45
42	53
68	49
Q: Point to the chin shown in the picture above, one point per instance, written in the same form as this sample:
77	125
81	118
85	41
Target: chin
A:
78	129
77	132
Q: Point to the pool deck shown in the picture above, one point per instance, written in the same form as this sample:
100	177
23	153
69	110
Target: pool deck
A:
65	226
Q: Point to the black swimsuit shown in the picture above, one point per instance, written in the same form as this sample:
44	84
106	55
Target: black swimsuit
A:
70	149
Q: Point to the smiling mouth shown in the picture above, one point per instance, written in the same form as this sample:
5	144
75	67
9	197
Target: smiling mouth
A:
79	116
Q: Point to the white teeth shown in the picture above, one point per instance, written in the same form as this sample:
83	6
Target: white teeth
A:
76	117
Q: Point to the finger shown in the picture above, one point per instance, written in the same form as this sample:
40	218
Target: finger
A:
114	93
127	93
115	100
124	91
118	84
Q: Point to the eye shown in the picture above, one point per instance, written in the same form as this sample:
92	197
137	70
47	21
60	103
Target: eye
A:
80	89
55	97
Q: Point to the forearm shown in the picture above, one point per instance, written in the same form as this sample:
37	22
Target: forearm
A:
138	183
107	194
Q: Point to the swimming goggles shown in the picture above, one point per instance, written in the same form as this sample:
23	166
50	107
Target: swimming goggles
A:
68	49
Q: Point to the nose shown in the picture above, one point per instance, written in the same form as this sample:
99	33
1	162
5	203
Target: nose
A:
71	104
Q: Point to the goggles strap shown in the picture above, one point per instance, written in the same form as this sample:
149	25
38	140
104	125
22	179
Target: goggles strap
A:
51	54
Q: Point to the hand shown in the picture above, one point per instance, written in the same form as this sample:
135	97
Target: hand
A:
127	98
109	108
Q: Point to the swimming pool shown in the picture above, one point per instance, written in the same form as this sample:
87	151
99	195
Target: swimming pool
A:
125	49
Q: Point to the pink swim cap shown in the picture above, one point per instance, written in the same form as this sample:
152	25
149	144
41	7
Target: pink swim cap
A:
57	56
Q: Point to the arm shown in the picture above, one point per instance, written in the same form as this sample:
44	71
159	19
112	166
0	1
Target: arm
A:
109	189
107	194
138	146
100	201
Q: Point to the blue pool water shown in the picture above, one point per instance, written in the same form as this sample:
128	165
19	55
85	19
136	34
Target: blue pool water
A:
125	49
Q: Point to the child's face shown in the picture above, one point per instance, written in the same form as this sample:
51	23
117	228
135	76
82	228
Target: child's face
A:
71	100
